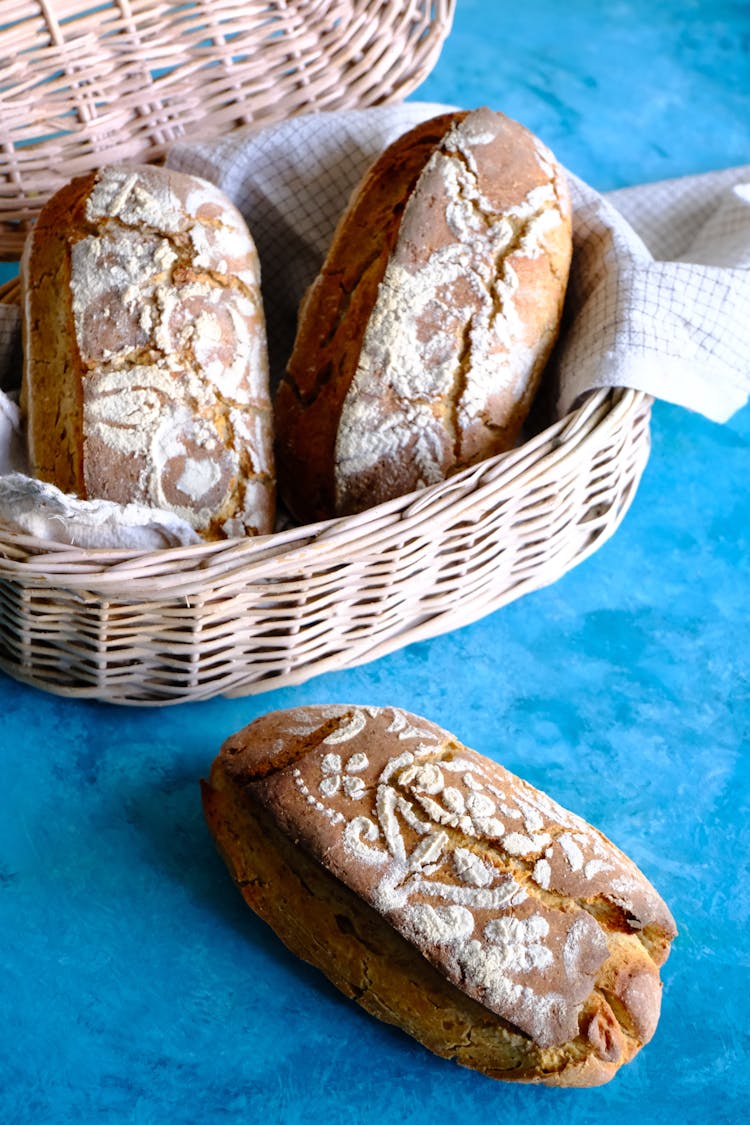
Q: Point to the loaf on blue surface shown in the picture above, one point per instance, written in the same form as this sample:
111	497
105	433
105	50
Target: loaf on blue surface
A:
441	892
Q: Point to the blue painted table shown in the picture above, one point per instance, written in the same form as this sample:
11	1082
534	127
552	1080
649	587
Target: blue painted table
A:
137	987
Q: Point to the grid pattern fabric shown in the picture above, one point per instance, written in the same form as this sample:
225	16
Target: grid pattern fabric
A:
661	293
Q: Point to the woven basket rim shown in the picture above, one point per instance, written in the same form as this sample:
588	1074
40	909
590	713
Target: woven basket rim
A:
253	616
90	568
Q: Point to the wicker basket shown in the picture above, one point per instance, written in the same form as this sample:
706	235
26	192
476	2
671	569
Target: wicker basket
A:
242	616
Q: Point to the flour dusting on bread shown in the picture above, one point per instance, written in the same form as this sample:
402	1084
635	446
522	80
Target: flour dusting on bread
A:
165	373
445	336
428	358
518	903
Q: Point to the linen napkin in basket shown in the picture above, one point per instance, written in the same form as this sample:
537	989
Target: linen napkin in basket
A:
659	296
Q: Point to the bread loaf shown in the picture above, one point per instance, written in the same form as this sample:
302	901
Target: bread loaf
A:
145	367
421	343
442	893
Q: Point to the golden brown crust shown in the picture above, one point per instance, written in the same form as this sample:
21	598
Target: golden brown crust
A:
421	343
332	320
53	405
536	940
324	923
145	368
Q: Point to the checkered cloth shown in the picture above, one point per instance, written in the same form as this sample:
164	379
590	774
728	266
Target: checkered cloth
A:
659	295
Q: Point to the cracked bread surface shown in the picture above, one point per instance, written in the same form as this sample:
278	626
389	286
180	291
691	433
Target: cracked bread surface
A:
442	893
421	344
145	365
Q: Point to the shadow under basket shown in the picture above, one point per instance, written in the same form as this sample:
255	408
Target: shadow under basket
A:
122	82
244	616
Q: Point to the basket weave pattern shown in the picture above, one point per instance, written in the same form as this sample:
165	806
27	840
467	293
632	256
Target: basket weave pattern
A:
246	615
82	85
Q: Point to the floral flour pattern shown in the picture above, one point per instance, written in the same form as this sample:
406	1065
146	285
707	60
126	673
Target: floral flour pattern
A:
487	876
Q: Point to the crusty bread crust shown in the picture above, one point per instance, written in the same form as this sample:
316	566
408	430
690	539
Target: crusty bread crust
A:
421	343
371	841
52	391
333	318
145	366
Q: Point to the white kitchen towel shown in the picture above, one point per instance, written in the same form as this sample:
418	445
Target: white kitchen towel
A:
31	507
659	295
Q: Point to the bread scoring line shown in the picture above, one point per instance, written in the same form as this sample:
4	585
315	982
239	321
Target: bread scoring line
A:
491	329
511	231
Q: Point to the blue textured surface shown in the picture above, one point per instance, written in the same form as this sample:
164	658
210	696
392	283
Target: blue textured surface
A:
135	984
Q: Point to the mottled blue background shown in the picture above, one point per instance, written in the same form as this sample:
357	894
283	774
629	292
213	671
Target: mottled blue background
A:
135	985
